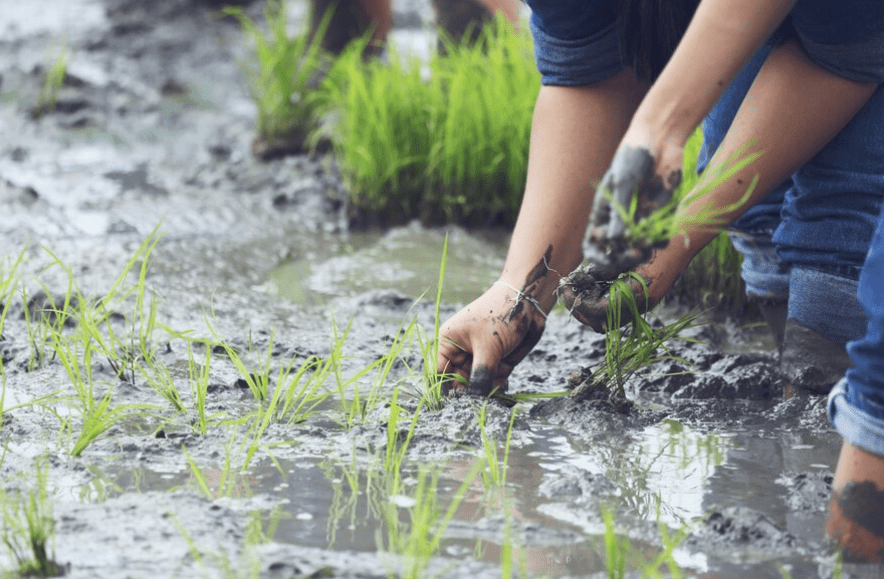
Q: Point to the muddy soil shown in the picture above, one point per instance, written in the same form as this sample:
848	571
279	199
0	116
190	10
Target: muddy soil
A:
153	126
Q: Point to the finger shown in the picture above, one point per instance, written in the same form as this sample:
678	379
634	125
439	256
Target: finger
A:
486	375
455	361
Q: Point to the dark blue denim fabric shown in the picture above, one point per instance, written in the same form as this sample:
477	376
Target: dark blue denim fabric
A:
856	404
576	41
844	36
823	217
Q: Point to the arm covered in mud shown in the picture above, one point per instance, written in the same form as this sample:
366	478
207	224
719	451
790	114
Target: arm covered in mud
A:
574	133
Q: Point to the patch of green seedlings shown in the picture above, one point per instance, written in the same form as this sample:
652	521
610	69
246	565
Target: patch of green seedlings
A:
418	539
27	528
712	279
198	378
52	83
430	393
628	349
225	481
445	140
620	554
496	466
294	399
355	407
9	281
284	78
94	335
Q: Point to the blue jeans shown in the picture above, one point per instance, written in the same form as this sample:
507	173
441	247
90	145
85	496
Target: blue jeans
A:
856	403
807	239
576	42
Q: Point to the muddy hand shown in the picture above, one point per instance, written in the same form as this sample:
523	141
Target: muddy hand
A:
631	173
586	298
481	344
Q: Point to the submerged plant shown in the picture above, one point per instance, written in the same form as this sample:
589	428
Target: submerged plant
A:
494	474
52	83
418	539
9	281
247	565
620	554
28	528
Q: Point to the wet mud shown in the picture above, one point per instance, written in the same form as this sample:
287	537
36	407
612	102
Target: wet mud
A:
153	126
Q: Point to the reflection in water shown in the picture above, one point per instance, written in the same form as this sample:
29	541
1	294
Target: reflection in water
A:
668	474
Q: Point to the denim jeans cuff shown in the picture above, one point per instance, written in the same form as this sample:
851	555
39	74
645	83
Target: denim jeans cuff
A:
827	303
858	61
857	427
565	62
766	276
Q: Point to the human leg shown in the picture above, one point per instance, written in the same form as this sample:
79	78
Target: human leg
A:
350	19
856	409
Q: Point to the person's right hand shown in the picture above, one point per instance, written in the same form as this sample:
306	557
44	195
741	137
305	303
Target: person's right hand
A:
483	342
631	173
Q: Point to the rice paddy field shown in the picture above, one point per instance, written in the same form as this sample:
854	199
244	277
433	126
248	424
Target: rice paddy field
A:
209	370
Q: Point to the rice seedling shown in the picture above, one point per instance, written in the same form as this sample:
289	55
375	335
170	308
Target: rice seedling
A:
198	379
432	140
158	377
96	318
669	542
629	349
283	80
257	378
98	415
94	335
28	528
52	83
431	391
620	554
494	474
228	479
247	564
416	541
292	400
45	317
9	281
397	447
296	398
353	408
616	548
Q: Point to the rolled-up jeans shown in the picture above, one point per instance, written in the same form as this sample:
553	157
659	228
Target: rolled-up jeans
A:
806	240
856	403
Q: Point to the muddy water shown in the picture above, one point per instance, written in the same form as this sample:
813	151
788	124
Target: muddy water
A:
154	127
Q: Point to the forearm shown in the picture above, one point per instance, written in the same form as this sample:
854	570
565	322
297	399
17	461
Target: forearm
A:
792	111
722	37
573	138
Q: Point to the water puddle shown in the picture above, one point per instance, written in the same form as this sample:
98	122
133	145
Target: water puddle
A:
667	474
404	259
